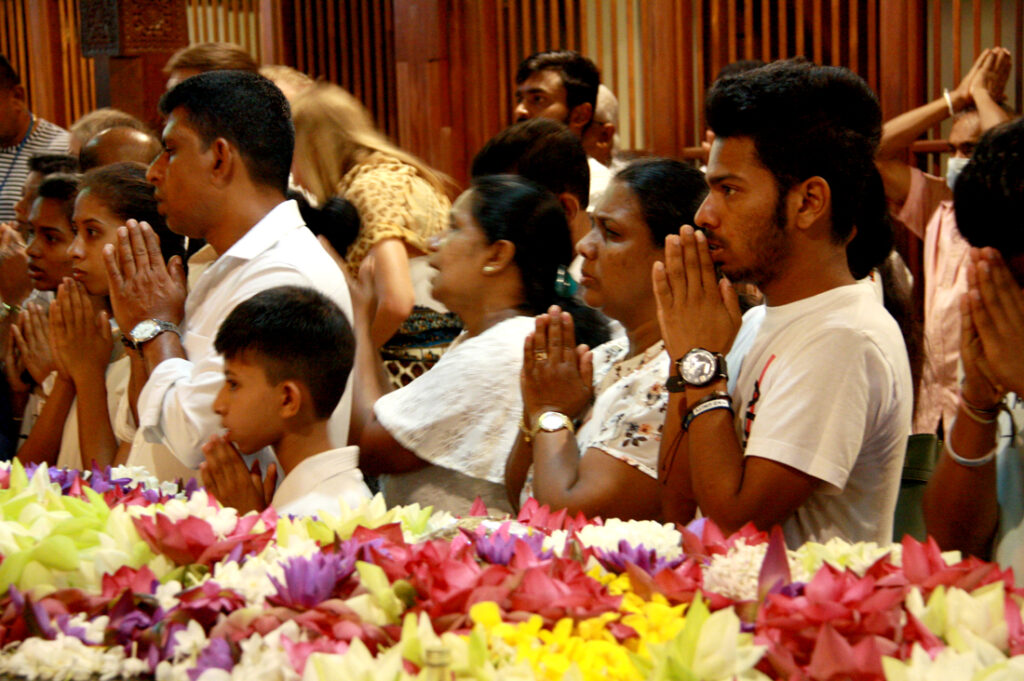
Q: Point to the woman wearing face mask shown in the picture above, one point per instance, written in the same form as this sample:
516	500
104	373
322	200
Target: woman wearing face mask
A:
924	204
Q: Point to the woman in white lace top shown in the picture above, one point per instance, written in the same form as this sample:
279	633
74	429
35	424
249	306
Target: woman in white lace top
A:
443	439
594	418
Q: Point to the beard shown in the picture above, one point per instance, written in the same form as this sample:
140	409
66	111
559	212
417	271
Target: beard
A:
770	248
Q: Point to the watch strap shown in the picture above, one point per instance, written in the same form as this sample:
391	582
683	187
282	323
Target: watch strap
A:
675	384
162	326
566	423
710	402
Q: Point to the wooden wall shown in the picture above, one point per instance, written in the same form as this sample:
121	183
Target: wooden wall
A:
41	40
438	74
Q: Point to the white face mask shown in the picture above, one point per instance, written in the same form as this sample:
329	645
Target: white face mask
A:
953	168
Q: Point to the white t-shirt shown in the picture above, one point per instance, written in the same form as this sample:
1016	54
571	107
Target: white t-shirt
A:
176	404
322	483
825	388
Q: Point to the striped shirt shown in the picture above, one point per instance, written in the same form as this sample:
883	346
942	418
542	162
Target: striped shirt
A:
46	138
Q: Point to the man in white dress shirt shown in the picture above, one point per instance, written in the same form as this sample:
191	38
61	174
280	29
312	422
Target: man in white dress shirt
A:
222	177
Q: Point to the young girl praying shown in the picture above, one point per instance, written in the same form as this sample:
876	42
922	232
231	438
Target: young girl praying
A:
89	360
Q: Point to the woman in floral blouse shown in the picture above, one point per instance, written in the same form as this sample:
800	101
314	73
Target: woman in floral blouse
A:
615	392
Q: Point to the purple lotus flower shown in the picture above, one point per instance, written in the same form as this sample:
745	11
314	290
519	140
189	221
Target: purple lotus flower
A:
646	559
216	655
499	547
35	615
64	624
311	581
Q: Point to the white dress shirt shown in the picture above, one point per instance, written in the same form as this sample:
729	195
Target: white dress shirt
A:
176	405
322	483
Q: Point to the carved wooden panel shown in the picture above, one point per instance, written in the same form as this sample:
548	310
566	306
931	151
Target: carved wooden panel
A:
99	27
153	26
132	27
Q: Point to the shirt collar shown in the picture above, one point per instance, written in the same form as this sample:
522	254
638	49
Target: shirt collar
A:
315	470
267	231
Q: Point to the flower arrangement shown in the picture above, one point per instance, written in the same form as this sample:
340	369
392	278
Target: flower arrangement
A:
108	574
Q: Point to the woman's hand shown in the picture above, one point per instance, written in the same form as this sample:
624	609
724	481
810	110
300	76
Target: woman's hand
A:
557	374
695	309
993	329
31	334
82	340
14	368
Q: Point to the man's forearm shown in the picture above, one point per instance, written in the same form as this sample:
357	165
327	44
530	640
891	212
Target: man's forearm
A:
901	131
165	346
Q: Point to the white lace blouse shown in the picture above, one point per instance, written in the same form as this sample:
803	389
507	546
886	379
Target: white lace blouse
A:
464	413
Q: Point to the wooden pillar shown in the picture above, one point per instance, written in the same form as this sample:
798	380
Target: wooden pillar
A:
45	68
901	57
133	40
277	31
426	98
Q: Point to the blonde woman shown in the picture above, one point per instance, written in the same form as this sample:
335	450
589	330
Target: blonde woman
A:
401	203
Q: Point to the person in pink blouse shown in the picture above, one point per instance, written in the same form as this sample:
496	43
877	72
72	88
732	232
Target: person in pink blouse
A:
923	203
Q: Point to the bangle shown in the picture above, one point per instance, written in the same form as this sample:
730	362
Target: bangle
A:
949	101
966	463
715	400
527	437
983	415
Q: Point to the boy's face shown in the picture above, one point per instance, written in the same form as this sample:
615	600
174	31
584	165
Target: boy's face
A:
48	258
248	405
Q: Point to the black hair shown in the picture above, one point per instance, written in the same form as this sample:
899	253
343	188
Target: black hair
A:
734	68
579	75
247	110
515	209
60	187
807	120
542	150
988	195
669	192
294	333
123	189
337	220
8	76
48	164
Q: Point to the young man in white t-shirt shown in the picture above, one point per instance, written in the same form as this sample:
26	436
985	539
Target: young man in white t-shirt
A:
813	436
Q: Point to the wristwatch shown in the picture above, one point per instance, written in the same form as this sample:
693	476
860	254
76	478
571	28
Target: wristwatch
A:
551	421
147	330
697	368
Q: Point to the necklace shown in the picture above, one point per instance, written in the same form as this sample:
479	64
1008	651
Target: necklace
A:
17	153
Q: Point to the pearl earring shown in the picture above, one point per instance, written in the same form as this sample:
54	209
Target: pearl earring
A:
489	268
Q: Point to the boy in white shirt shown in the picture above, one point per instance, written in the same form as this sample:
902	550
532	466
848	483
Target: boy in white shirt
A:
287	355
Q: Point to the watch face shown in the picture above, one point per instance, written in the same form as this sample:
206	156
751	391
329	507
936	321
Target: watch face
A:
698	367
550	421
145	330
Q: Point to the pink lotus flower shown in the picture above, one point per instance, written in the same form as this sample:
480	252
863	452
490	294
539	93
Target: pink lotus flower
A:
193	541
